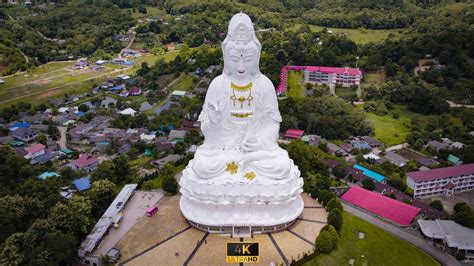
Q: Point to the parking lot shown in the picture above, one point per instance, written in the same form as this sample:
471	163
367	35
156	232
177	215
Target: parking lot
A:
133	212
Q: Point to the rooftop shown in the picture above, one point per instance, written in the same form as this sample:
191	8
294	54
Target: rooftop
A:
455	235
390	209
45	175
35	148
82	184
84	160
110	216
441	173
294	133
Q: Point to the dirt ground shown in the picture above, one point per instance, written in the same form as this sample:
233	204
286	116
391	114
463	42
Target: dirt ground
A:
450	201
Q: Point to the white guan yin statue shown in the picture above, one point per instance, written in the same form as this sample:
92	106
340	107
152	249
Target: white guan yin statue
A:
240	177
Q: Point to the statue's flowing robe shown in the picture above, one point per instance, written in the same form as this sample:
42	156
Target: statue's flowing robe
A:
224	141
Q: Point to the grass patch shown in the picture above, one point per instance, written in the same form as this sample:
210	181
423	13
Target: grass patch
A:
184	83
294	84
374	78
139	162
377	248
346	92
389	130
154	183
359	36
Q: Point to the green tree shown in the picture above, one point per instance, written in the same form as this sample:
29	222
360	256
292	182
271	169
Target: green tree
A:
437	204
17	213
42	139
104	171
74	216
368	184
170	185
83	108
324	196
463	215
339	171
335	218
101	195
325	242
334	203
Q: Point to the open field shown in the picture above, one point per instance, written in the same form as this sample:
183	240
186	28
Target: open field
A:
294	84
359	36
393	131
52	79
377	248
389	130
184	83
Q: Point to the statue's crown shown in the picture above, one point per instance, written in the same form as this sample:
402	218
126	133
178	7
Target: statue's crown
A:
240	28
241	34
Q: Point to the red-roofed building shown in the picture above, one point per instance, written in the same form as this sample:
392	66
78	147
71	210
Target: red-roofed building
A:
135	91
294	134
85	162
35	150
441	181
389	209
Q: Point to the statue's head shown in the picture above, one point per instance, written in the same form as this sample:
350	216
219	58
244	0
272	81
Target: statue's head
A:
241	48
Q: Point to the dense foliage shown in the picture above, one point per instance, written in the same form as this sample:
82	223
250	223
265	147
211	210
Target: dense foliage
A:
326	116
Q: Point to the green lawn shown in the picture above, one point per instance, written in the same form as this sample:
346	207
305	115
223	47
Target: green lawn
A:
184	83
346	93
377	248
389	130
359	36
294	84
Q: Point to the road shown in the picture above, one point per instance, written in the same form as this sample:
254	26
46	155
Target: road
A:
453	105
408	235
62	140
131	32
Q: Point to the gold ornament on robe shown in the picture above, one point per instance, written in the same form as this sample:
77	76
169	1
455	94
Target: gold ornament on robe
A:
241	88
241	99
250	175
232	168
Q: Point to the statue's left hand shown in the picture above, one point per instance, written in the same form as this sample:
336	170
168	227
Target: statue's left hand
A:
252	145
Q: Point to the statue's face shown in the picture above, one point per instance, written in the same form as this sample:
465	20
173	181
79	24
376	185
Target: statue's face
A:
242	61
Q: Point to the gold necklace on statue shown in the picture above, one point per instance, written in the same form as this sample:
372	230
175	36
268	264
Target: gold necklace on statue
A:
241	99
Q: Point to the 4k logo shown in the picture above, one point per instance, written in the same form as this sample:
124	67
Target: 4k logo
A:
242	252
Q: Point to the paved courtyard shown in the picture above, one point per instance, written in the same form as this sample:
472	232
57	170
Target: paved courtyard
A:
134	210
167	239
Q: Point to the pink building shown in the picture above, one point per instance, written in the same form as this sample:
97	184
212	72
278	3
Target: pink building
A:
85	162
294	134
344	76
35	151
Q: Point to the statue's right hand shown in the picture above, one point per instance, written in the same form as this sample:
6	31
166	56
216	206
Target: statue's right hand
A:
215	113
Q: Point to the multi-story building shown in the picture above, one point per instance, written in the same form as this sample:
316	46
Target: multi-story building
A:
330	76
343	76
441	181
